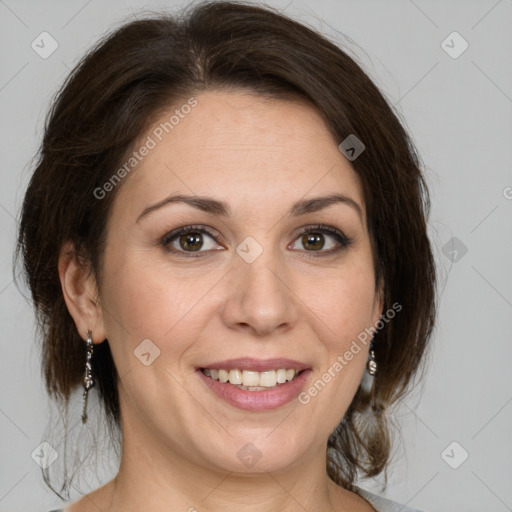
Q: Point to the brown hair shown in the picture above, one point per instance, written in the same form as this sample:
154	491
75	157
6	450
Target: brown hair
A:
108	102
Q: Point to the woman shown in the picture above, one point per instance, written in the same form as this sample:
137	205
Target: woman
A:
225	238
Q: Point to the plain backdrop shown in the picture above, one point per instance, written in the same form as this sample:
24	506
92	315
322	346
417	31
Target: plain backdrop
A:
457	104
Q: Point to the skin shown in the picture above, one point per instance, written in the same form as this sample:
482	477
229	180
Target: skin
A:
180	441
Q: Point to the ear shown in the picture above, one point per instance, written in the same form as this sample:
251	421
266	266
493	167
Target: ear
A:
80	292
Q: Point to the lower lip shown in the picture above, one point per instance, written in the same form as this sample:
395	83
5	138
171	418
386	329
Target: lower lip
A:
257	400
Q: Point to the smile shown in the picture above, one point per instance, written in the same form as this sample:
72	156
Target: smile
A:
255	384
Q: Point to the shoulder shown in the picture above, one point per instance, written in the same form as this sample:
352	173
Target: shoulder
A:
383	504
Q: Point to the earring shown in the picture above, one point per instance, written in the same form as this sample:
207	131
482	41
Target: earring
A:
371	365
88	381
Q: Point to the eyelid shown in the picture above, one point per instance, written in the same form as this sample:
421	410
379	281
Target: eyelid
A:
192	228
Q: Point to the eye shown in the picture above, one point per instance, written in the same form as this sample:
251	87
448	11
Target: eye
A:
187	240
190	239
322	239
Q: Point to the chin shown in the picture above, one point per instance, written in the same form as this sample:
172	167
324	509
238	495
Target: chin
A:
259	453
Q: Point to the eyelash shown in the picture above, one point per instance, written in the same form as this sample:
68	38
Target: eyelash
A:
338	235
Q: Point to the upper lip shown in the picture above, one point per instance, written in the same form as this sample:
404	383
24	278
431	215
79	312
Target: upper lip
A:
256	365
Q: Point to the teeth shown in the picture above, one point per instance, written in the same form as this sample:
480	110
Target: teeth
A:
235	377
250	378
252	381
268	379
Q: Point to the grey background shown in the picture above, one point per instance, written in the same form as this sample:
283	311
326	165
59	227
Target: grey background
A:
459	113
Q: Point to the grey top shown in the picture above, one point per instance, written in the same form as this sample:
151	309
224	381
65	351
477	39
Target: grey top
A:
379	503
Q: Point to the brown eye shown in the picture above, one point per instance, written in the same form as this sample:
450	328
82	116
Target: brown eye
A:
313	241
324	240
191	241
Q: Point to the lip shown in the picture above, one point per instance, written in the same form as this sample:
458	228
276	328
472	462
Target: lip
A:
255	401
256	365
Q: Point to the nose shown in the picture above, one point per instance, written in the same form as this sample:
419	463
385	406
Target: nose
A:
259	297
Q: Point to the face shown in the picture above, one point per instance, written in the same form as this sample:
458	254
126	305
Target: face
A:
245	278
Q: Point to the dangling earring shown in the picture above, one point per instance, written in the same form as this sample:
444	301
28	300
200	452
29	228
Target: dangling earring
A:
371	365
88	381
367	382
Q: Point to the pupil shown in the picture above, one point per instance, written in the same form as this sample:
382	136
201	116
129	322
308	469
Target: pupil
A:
191	242
314	241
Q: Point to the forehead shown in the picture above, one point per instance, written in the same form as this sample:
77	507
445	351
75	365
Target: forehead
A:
241	148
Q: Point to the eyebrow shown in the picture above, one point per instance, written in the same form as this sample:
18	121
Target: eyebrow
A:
215	207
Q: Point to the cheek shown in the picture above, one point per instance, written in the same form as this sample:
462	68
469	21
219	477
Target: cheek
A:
341	315
343	312
353	309
345	305
146	299
145	296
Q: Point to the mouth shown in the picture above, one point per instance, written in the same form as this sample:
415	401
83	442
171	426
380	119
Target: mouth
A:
255	385
252	380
